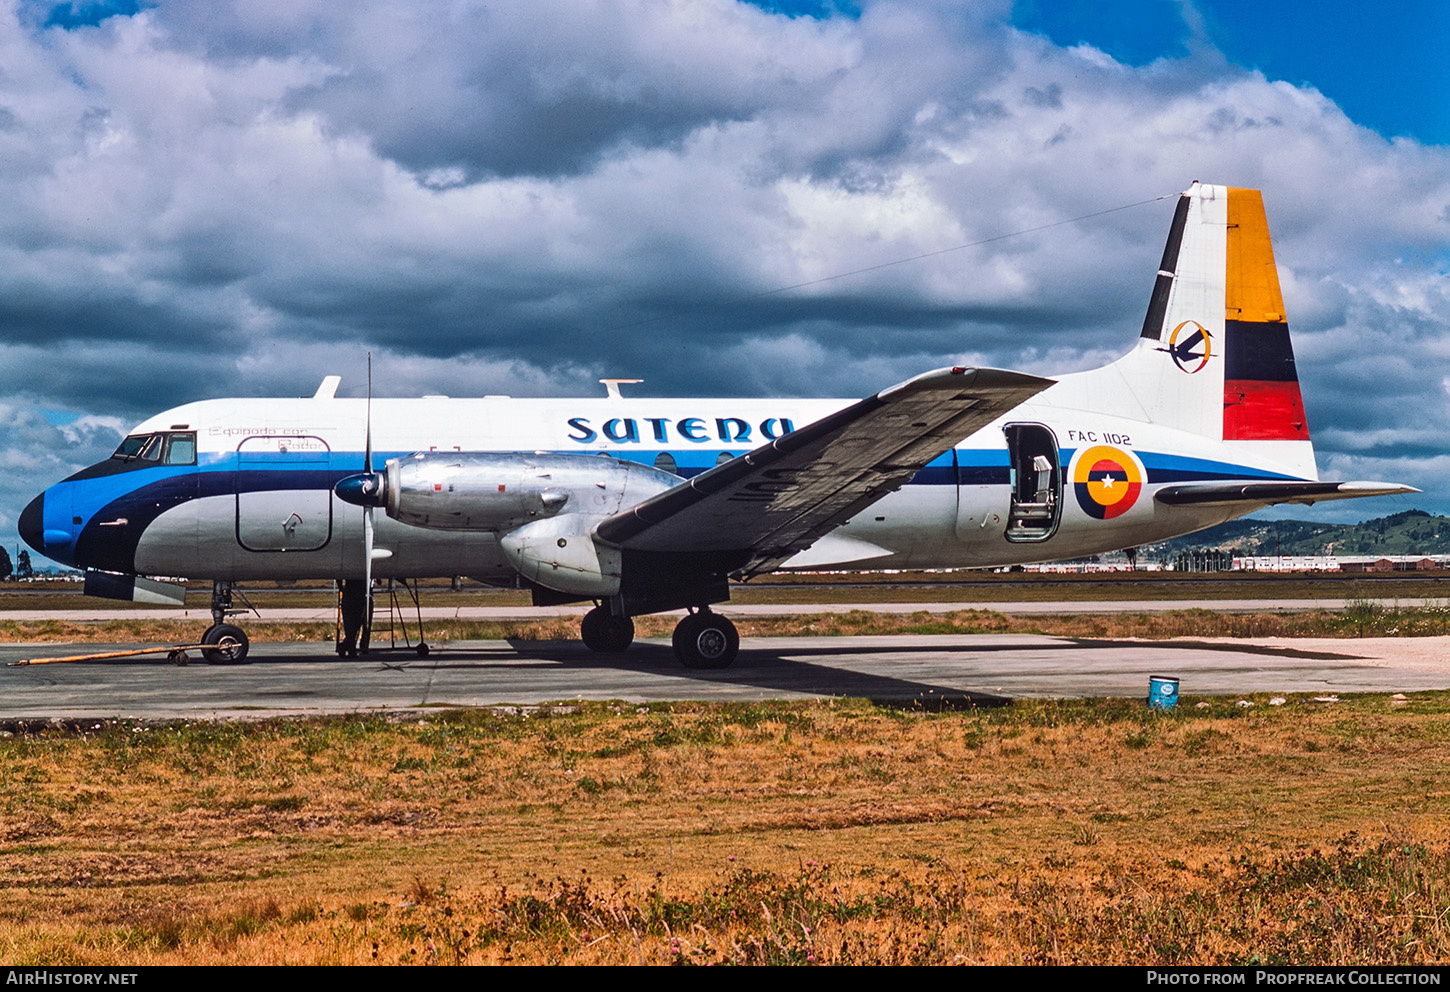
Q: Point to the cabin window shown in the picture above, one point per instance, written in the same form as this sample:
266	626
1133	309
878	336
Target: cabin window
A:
665	462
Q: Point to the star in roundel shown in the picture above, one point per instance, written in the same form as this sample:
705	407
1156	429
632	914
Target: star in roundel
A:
1106	481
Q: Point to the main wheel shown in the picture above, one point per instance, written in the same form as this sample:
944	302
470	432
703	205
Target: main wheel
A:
606	633
706	640
230	642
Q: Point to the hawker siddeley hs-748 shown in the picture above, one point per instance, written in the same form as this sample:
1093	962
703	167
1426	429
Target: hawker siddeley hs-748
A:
1200	422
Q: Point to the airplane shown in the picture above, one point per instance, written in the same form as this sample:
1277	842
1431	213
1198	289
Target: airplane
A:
647	505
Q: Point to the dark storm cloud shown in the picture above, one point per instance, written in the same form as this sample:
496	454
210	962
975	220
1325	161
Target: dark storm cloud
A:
540	89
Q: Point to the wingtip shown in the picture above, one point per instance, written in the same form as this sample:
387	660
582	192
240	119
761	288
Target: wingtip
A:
1377	489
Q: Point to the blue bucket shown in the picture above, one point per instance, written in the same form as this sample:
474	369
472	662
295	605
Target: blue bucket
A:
1162	692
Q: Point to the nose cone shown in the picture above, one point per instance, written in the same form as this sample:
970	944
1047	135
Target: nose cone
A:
45	525
32	523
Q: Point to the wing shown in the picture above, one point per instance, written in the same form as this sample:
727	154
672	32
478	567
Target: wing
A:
1267	493
778	499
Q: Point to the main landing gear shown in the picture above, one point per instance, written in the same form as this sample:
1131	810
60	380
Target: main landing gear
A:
702	639
606	633
706	640
228	642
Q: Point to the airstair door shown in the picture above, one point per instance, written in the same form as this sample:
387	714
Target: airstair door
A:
1036	475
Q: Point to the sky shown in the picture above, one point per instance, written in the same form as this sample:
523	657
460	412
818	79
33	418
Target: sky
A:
210	198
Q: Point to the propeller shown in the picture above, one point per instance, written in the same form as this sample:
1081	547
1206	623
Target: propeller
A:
367	490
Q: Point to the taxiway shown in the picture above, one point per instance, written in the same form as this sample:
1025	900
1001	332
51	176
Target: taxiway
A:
307	679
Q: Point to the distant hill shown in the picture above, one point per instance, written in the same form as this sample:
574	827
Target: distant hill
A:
1410	532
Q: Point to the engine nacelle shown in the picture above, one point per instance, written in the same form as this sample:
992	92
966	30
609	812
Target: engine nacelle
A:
501	491
561	553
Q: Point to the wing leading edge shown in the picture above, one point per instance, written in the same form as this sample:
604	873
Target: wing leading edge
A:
780	498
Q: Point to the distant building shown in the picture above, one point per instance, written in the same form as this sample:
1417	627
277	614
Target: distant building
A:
1078	567
1342	563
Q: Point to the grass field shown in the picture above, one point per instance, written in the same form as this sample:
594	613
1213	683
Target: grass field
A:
827	832
831	832
964	586
1359	619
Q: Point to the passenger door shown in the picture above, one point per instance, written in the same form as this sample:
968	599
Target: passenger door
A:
1036	482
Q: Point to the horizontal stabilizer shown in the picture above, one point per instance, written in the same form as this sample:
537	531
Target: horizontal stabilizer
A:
1267	493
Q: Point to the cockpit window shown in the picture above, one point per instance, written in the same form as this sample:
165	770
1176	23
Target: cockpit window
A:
168	449
139	446
180	449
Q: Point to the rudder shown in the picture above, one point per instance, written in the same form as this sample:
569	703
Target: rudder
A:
1261	397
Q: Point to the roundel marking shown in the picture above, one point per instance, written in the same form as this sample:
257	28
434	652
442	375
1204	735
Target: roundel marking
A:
1107	481
1191	346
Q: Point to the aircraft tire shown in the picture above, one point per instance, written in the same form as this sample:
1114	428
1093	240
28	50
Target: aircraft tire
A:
706	640
603	632
231	644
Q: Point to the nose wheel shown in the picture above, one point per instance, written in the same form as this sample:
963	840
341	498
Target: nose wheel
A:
227	642
706	640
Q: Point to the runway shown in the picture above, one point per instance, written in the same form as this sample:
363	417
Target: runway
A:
986	669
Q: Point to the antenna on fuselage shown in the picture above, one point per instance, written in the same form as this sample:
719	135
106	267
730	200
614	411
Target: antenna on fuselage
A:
611	387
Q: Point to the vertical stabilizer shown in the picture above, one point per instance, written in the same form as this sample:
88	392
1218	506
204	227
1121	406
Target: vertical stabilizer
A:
1214	357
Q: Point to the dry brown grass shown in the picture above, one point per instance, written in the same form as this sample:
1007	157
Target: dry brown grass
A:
965	586
1363	619
826	832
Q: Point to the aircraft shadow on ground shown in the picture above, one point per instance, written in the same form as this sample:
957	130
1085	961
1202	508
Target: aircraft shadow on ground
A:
775	670
768	669
1234	648
757	668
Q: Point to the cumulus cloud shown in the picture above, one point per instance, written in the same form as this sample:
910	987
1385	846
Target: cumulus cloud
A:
212	198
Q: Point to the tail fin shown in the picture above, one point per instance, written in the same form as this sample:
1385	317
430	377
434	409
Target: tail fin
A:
1214	356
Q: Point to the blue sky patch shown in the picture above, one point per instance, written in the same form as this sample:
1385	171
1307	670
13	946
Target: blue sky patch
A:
69	16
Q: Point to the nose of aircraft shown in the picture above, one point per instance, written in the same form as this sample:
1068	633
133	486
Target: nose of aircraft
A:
52	537
32	523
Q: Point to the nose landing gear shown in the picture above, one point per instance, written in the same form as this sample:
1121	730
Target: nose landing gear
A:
229	644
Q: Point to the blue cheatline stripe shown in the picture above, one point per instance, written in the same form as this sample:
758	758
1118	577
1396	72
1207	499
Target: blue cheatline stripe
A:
171	485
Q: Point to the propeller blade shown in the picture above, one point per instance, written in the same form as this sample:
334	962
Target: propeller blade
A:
368	439
368	513
368	549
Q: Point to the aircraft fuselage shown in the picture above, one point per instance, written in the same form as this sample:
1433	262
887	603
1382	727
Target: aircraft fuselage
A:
240	490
